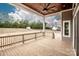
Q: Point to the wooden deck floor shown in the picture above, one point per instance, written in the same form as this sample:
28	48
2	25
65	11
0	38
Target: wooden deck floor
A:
43	46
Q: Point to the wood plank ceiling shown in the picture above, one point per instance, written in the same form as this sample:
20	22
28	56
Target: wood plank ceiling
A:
48	8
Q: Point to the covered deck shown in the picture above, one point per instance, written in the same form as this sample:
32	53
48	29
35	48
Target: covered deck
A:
40	42
42	46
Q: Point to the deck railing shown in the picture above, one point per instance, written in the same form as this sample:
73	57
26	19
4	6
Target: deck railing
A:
11	39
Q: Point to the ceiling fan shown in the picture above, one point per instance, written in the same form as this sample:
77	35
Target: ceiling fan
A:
47	7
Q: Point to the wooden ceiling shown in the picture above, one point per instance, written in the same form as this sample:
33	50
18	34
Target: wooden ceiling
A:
52	8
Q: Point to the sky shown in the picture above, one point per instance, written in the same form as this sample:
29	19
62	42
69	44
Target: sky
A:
5	7
18	13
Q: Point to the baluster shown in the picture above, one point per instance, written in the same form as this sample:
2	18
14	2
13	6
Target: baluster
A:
53	35
23	39
7	40
10	40
35	36
43	33
1	46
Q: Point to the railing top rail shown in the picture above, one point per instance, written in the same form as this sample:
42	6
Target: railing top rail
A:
19	33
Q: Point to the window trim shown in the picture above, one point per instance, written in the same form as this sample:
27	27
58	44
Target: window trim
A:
68	28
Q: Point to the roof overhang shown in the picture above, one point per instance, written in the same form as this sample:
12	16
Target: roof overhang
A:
54	7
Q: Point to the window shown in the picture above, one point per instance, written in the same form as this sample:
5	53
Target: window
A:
66	28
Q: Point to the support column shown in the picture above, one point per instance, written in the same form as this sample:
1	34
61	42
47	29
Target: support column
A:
77	42
44	25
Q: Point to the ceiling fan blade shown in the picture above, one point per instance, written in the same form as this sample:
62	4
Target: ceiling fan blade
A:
50	11
51	7
42	4
47	5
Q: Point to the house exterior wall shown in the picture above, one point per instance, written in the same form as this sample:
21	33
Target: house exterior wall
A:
78	33
67	15
76	28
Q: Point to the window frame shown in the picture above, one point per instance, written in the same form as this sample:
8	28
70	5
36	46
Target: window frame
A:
69	28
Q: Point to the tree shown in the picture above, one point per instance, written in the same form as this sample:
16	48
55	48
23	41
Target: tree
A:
36	25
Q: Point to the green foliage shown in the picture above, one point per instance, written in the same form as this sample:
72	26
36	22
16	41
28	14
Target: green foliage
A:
1	24
36	25
22	24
